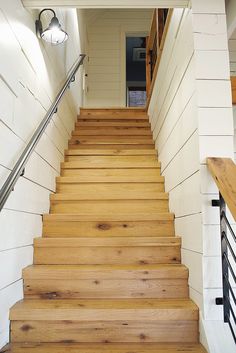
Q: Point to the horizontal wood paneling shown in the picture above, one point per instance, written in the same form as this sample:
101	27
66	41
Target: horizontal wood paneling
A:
174	119
106	69
30	76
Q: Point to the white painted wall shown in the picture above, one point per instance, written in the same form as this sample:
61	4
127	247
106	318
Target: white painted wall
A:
31	74
191	117
106	84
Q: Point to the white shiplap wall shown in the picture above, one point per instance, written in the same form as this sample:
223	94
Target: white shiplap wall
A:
174	119
106	68
191	117
30	76
215	139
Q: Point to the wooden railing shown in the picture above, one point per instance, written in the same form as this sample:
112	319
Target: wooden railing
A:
155	43
223	171
233	85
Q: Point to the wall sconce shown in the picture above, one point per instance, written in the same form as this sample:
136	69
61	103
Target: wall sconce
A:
54	34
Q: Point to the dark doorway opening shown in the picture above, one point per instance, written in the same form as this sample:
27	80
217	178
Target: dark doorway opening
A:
136	71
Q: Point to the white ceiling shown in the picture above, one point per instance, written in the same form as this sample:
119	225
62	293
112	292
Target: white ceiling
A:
105	3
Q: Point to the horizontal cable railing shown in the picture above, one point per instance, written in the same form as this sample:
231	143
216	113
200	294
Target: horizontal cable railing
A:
223	171
19	167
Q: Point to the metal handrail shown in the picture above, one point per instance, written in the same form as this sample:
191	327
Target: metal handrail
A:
19	167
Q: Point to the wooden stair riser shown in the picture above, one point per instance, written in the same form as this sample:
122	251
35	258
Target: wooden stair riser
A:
74	192
108	266
112	161
113	140
122	123
110	152
105	348
115	175
105	288
107	228
107	146
107	255
138	207
102	331
112	131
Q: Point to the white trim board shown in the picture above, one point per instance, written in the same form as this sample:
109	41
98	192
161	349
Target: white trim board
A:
111	4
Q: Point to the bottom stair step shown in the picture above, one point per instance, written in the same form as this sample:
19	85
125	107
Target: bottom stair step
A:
105	348
126	320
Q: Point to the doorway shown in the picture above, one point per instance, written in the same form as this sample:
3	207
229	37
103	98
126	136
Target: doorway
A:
135	71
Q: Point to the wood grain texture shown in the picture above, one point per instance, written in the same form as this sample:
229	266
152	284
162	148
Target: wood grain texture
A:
111	162
233	86
223	171
98	175
107	268
108	207
124	123
124	191
65	228
102	332
104	140
110	152
105	348
104	309
112	131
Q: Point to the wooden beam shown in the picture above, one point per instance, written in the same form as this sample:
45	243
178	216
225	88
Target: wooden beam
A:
223	171
112	4
233	84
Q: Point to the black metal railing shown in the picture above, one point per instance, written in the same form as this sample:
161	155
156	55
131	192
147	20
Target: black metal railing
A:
228	256
19	167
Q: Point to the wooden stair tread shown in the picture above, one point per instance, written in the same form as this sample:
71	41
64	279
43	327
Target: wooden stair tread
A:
108	266
112	131
106	191
105	348
115	140
148	161
101	146
75	217
110	152
111	175
109	192
76	180
105	271
112	124
105	309
107	242
140	208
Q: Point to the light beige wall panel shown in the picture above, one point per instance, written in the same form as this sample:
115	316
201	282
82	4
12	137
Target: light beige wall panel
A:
8	221
106	69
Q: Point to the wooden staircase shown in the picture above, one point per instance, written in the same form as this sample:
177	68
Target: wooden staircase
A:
107	276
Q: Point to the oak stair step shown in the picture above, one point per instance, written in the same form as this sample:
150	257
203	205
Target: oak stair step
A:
105	217
110	152
98	175
104	250
63	226
92	191
112	131
110	192
111	162
108	146
105	281
124	123
111	140
105	348
105	320
100	207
